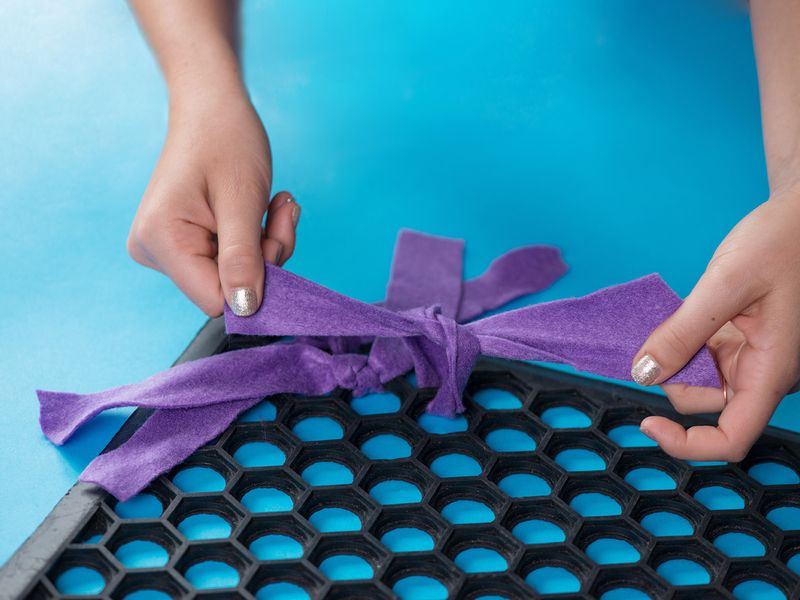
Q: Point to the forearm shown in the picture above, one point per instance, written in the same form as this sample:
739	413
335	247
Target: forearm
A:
195	42
776	37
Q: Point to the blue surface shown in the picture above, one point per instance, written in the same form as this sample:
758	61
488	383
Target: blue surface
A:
204	526
142	554
666	524
407	539
547	122
276	547
681	571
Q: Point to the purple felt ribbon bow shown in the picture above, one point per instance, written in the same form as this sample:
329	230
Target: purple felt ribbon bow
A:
419	326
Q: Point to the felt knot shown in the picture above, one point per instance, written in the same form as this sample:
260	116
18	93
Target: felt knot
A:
353	372
443	357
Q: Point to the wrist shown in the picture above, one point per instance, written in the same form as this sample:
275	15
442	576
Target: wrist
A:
210	77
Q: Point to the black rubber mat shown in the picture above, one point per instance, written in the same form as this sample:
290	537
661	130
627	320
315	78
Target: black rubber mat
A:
498	504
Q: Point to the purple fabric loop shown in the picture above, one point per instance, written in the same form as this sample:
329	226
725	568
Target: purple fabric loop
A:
416	327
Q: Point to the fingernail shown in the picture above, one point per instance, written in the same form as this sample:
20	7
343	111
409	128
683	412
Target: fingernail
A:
279	205
646	370
645	429
295	214
243	302
276	260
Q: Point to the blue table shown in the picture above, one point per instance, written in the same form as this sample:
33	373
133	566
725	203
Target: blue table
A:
547	122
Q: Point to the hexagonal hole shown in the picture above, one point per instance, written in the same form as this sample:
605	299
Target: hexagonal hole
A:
649	471
277	537
268	491
318	422
564	409
457	455
397	483
739	537
81	571
348	557
143	545
494	391
289	579
519	477
323	464
621	426
207	518
580	451
760	579
93	532
494	585
789	552
612	541
554	570
215	565
540	521
482	549
514	433
205	471
468	502
684	564
259	446
670	515
376	403
596	495
782	510
721	489
415	576
771	465
147	504
149	584
337	510
627	582
409	529
387	438
436	425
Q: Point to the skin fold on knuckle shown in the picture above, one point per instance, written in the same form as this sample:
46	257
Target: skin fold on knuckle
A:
671	346
239	262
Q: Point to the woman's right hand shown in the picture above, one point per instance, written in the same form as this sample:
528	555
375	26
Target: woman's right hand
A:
200	219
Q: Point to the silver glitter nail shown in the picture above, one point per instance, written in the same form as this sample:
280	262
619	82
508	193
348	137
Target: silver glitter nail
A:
243	302
646	370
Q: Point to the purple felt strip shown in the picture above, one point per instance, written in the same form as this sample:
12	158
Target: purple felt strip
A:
426	270
514	274
599	333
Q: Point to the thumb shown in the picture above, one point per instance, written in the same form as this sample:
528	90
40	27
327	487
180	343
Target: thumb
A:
712	303
240	261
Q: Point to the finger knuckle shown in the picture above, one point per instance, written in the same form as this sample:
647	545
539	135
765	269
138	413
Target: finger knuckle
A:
673	338
239	259
724	279
737	453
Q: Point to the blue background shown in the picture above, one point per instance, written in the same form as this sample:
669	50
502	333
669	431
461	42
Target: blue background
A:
625	132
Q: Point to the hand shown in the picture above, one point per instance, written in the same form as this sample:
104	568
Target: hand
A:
746	308
200	220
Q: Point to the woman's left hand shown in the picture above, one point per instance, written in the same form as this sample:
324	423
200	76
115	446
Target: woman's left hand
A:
746	309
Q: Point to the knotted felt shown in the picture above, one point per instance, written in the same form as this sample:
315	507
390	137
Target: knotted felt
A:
419	326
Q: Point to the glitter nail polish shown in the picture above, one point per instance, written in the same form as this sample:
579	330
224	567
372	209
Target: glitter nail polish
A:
646	370
243	302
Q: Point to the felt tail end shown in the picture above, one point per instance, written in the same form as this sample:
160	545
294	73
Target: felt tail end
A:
55	415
